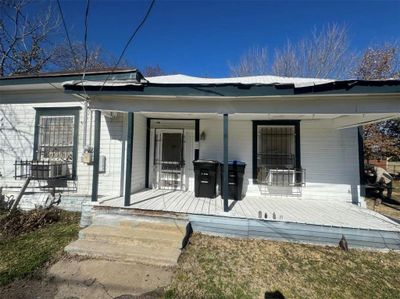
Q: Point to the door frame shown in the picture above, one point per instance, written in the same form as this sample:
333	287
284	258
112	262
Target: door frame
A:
150	143
157	151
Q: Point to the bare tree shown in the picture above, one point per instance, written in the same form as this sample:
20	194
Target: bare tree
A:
381	140
23	39
65	58
325	54
380	62
253	62
151	71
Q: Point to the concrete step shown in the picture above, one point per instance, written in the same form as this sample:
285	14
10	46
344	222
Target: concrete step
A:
129	238
166	257
135	220
134	236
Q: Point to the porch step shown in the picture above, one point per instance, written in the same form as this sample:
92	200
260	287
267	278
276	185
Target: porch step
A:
151	238
165	257
129	239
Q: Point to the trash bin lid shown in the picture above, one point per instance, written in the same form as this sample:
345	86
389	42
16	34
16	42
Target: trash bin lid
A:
206	161
235	162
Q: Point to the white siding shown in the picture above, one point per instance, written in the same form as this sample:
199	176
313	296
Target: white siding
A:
139	153
330	156
17	126
189	157
240	145
112	141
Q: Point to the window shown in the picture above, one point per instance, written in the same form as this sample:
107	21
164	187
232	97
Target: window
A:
56	134
276	147
276	152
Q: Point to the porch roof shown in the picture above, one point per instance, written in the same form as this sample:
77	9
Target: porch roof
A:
251	86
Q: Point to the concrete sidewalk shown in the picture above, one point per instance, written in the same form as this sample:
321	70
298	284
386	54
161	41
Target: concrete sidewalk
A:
101	279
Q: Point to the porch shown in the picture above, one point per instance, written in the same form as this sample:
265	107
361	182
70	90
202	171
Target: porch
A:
328	213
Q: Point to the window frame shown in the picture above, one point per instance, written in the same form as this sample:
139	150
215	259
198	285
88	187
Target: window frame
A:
295	123
63	111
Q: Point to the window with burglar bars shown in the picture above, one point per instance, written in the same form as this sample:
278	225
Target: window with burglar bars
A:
56	137
276	147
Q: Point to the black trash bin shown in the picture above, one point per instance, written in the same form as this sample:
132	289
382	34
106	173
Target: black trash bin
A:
205	178
235	179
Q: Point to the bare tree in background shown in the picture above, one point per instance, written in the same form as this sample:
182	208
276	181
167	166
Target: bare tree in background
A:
252	63
24	39
380	62
64	59
381	140
325	54
151	71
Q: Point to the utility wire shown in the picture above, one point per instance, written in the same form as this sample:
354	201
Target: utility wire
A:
74	57
85	45
85	38
129	41
67	34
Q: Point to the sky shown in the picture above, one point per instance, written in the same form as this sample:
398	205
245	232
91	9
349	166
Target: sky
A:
200	38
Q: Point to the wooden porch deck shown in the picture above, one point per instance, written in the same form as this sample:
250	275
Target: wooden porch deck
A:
323	212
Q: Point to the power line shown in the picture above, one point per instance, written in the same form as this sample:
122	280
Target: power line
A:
67	34
85	46
129	41
85	41
85	38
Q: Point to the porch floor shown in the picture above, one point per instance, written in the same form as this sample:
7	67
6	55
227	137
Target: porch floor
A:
324	212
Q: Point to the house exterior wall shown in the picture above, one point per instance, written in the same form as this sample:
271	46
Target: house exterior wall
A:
329	155
139	153
17	127
240	146
112	141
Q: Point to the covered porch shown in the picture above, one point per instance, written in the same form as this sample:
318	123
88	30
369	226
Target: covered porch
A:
326	153
229	121
318	127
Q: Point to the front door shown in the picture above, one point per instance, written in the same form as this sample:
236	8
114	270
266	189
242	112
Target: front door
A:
169	161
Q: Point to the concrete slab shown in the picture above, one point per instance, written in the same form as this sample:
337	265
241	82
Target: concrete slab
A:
100	279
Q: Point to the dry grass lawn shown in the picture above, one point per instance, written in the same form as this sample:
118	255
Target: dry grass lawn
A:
215	267
25	254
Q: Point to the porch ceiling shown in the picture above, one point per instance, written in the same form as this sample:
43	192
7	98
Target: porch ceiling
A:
265	108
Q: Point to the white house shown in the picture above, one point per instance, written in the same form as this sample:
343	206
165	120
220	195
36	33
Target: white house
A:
124	141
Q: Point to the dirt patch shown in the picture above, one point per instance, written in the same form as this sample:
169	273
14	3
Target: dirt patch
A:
28	289
92	278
